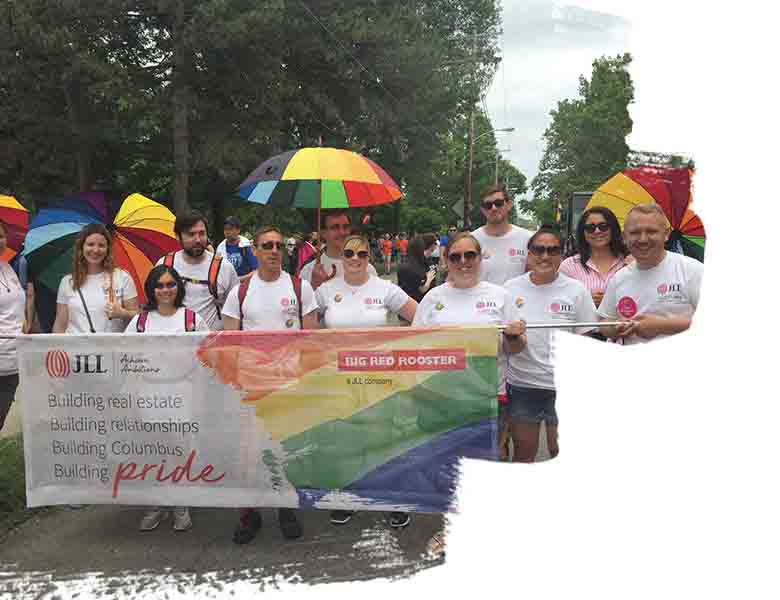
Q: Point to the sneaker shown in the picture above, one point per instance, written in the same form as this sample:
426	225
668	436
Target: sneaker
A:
341	517
248	526
436	549
181	519
152	519
288	523
398	520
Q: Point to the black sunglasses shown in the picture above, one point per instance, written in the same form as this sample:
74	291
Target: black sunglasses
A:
468	256
592	227
497	203
360	253
270	245
170	285
540	250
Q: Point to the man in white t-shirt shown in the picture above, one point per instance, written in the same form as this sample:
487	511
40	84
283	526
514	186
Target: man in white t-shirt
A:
657	294
504	246
270	302
194	263
337	226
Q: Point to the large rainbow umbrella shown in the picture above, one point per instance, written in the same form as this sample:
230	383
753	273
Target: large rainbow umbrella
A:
319	178
142	232
667	187
17	222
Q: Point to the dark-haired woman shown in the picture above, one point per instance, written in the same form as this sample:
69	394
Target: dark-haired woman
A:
165	313
415	277
95	297
540	295
602	251
12	310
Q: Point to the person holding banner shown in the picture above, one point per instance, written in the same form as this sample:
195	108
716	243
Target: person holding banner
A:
271	300
542	295
657	294
165	313
95	297
466	300
362	300
12	321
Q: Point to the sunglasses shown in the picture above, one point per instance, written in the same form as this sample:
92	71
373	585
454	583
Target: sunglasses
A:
271	245
540	250
592	227
166	286
468	256
342	226
497	203
361	253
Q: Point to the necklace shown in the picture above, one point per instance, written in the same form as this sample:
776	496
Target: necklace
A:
5	281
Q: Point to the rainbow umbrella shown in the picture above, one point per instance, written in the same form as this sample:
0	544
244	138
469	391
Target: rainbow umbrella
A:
142	231
319	178
670	189
17	222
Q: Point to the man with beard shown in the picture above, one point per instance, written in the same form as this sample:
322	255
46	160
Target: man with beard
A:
327	264
207	278
270	300
504	246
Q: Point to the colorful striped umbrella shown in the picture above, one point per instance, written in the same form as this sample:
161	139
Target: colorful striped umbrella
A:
319	178
670	189
17	222
143	232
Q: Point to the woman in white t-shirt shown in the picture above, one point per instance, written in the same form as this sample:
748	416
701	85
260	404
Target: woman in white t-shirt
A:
12	309
95	297
165	313
361	300
541	295
465	300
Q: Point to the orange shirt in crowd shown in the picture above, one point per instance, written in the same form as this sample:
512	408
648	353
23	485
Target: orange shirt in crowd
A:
403	246
387	246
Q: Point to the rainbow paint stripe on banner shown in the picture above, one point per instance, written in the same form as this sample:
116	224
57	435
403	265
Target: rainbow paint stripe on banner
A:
381	416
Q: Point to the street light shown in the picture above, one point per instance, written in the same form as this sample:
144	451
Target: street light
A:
467	191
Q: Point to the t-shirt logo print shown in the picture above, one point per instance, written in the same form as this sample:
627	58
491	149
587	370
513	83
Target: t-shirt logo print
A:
373	301
561	308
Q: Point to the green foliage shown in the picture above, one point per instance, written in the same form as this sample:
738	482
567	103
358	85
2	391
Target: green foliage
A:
586	142
12	484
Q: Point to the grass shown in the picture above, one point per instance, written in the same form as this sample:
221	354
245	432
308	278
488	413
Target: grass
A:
13	504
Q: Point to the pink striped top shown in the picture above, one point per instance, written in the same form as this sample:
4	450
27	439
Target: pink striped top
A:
589	275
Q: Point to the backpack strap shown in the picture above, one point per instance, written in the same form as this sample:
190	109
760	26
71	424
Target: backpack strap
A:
216	263
243	288
189	320
140	325
168	260
296	281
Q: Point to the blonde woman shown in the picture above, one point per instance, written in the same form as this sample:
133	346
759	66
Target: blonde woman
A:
95	297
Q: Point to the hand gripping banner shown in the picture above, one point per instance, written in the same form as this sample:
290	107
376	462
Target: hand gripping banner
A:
356	419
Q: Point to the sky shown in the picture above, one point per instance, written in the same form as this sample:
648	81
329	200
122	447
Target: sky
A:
546	46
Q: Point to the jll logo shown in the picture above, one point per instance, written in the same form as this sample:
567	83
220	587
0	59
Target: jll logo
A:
59	364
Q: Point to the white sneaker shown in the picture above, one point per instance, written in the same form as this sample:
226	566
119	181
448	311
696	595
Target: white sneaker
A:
181	519
152	519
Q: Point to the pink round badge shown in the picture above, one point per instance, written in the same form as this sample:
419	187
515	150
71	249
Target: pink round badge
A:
663	288
626	306
555	307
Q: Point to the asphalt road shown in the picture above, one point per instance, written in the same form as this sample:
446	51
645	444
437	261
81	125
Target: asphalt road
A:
99	550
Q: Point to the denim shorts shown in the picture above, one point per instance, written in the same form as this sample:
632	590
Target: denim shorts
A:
530	405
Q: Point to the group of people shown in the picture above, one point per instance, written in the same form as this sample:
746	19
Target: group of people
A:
499	275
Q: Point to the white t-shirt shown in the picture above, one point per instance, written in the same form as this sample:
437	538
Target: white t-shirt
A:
12	300
271	306
504	257
175	323
483	304
368	305
670	289
563	300
95	292
327	264
197	295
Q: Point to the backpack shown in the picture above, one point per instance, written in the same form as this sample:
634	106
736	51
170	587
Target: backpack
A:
189	321
216	264
243	288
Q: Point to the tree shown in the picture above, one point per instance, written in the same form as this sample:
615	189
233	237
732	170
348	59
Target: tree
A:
586	142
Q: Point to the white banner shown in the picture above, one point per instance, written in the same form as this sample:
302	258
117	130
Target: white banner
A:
106	413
